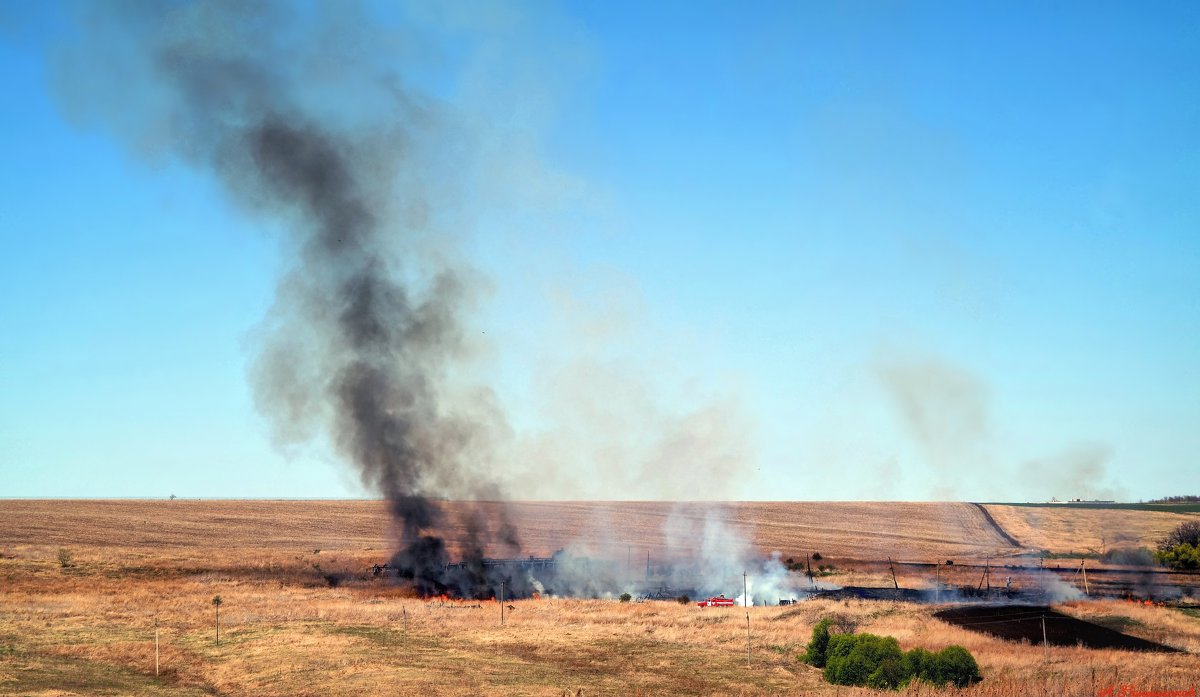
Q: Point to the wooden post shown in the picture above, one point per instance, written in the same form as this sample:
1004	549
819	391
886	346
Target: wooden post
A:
502	602
216	601
747	639
404	613
893	568
1045	643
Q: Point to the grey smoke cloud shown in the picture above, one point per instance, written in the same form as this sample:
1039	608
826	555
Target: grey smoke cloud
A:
946	410
301	116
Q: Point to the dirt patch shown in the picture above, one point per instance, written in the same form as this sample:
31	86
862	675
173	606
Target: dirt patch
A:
1025	623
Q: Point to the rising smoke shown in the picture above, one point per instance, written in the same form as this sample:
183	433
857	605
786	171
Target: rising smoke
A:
301	115
947	412
294	113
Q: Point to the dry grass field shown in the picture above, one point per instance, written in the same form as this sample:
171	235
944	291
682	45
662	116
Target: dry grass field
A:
1066	530
183	530
88	628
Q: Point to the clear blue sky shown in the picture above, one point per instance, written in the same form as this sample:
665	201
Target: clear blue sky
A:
831	250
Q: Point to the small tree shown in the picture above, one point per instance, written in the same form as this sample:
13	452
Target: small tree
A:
216	601
1181	548
625	597
1184	534
64	557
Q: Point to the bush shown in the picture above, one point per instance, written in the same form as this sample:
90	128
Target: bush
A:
889	675
1184	534
814	654
684	600
1181	548
817	556
954	665
1181	557
857	659
64	557
877	662
625	597
1130	556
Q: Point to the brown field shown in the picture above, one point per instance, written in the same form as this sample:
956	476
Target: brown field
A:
88	628
184	529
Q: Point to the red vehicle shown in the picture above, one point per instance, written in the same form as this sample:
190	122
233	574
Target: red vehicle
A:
716	601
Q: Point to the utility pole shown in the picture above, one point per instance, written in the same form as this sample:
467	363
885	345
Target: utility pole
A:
1083	568
937	583
647	565
893	568
502	602
746	603
404	614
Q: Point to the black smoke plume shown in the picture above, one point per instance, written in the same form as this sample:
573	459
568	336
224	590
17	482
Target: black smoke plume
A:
303	116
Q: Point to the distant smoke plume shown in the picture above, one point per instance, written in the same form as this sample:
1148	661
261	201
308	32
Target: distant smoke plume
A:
300	115
947	411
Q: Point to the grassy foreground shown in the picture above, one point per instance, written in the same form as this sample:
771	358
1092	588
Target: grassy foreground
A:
88	628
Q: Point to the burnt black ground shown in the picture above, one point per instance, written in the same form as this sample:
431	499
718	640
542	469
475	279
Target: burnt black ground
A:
1024	622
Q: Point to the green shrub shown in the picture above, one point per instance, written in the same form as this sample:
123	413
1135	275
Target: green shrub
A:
853	659
814	654
954	665
625	597
1182	557
877	662
918	663
889	675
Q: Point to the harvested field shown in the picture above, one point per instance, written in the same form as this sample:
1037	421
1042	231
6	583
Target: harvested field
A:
850	530
1028	622
1070	529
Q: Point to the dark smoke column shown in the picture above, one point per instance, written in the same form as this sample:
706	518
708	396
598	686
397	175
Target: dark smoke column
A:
297	112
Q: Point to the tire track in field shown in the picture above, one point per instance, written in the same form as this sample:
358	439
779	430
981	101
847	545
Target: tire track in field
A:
996	526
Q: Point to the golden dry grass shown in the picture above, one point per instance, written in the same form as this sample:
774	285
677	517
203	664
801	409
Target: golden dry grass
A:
88	629
1068	530
853	530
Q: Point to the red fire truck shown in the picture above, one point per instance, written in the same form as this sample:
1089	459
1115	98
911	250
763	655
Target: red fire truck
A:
716	601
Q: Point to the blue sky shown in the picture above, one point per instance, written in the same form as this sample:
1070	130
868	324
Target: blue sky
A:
831	250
